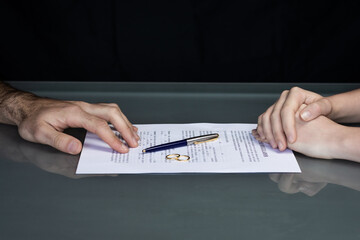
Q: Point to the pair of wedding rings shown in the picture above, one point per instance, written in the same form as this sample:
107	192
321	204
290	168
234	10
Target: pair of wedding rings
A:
178	157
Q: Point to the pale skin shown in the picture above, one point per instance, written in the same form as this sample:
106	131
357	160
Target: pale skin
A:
43	120
306	122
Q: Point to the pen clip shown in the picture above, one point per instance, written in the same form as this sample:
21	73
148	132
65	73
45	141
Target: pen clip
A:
209	140
205	141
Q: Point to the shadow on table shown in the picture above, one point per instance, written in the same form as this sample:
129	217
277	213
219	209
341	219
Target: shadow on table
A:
14	148
316	174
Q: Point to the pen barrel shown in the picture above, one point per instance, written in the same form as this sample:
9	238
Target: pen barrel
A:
165	146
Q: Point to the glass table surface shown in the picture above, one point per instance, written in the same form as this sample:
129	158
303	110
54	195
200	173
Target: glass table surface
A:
42	197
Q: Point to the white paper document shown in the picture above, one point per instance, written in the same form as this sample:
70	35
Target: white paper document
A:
235	151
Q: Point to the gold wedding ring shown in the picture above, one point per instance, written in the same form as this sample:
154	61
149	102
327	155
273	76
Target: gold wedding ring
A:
178	157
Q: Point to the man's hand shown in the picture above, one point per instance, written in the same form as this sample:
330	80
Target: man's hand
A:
43	120
277	124
49	118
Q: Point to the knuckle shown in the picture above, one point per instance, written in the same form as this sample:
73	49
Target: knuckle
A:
23	132
316	107
95	125
114	110
58	141
278	136
297	93
81	104
113	105
327	106
74	109
37	132
100	124
268	131
285	92
287	129
126	131
283	112
268	136
273	117
286	109
266	115
295	89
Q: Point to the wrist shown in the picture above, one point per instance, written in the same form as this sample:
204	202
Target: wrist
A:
346	144
15	106
333	108
345	106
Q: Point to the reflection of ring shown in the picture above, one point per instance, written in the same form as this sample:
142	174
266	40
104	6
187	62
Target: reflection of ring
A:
178	157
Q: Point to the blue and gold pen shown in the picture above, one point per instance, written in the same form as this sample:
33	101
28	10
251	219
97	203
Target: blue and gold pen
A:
182	143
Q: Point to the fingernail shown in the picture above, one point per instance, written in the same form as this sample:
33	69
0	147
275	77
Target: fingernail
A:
281	146
272	143
137	136
124	147
135	142
73	147
291	139
305	115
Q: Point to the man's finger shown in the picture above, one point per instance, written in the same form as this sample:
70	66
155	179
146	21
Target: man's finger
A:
134	129
112	113
97	126
61	141
101	128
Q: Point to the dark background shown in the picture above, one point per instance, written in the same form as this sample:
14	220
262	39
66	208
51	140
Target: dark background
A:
180	40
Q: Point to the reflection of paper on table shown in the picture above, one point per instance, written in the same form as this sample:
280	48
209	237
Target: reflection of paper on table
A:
235	151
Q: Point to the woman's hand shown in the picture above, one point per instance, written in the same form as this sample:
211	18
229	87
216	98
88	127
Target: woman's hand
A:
323	138
277	124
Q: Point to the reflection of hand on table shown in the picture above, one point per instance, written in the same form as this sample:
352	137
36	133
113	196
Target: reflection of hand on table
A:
44	157
316	174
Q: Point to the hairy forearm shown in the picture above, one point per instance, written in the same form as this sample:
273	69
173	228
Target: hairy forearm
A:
345	106
15	105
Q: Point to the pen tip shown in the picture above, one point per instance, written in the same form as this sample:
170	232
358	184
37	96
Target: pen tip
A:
144	151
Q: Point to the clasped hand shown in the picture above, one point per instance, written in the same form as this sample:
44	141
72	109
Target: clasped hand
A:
301	120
